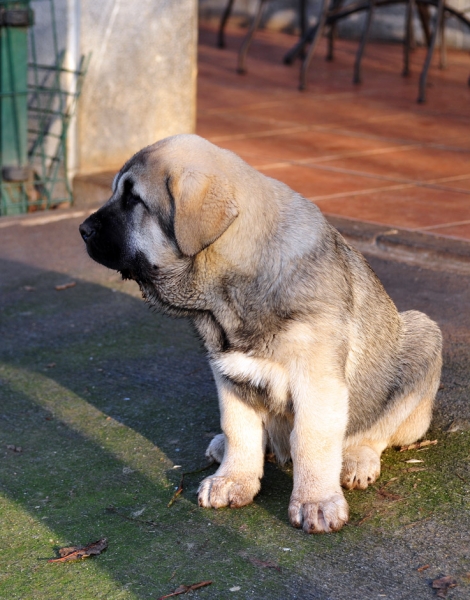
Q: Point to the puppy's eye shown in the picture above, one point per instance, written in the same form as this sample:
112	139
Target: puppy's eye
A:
129	198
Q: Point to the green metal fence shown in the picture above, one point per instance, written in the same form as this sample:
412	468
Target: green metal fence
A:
37	103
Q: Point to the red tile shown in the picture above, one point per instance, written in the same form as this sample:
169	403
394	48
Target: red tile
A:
311	145
412	207
312	182
454	231
357	138
420	164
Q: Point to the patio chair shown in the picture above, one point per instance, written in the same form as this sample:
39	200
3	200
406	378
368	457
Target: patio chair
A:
241	68
332	11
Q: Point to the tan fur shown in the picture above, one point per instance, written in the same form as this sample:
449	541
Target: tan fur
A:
310	356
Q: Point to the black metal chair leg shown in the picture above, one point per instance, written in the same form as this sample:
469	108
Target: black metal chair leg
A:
410	9
427	63
316	34
223	22
305	37
442	43
303	17
331	42
423	13
365	36
333	31
299	49
249	38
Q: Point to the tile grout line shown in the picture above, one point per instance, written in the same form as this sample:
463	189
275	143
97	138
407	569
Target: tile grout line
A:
392	227
337	128
455	224
432	184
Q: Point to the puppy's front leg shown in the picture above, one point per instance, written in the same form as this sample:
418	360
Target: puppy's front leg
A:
237	481
320	415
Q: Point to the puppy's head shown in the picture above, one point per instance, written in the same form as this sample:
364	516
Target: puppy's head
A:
170	201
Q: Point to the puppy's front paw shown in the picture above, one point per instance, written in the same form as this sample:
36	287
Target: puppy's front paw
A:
323	516
361	466
215	450
218	491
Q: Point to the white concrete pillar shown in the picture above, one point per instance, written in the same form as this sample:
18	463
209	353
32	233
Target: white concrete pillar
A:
141	82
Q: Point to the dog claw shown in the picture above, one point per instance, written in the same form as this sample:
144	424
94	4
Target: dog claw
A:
218	491
323	516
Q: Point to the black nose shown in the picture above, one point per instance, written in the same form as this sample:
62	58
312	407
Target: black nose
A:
86	230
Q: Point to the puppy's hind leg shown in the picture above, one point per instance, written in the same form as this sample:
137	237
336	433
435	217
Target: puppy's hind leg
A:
361	464
409	416
215	450
361	458
423	351
415	426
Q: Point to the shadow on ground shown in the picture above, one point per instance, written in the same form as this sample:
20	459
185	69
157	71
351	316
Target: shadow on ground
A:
110	403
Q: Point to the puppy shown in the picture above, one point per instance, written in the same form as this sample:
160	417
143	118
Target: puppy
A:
309	354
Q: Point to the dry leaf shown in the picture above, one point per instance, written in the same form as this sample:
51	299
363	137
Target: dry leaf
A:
78	552
414	460
442	584
29	288
423	568
65	286
267	564
417	445
184	589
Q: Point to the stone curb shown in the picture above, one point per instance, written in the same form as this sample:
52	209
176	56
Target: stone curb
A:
402	244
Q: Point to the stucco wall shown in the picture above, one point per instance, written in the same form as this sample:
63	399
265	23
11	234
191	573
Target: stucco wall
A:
141	83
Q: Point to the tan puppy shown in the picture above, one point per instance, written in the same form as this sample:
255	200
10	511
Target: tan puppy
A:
309	354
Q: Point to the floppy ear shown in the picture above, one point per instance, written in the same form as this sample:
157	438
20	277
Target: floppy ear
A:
204	208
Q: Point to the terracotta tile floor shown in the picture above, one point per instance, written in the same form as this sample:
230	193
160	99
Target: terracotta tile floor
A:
367	152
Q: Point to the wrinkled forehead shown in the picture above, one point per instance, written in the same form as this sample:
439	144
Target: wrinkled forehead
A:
140	167
170	156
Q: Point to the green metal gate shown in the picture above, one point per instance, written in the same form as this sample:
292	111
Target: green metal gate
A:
37	102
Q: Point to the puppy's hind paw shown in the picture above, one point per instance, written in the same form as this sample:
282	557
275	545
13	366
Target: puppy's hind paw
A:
215	450
361	467
218	491
323	516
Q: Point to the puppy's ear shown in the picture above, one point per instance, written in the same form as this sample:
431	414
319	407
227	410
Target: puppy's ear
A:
204	208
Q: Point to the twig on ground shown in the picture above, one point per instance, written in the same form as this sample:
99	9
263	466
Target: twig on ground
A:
184	589
179	490
418	445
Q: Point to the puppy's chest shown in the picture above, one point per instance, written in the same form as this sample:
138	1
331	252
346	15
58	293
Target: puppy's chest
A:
257	380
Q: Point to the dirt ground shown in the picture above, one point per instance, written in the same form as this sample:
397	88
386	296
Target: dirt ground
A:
105	404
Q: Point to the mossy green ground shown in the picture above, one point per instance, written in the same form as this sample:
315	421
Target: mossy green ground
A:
110	404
